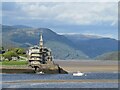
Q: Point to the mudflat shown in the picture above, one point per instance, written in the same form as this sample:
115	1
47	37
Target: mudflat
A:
88	65
71	66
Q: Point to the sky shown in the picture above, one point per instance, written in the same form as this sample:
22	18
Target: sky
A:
93	18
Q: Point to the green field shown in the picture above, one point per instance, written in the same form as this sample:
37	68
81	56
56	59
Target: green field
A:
14	63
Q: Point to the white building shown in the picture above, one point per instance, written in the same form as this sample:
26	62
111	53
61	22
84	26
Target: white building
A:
39	54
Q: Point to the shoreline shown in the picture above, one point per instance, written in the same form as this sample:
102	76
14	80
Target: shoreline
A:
88	66
69	66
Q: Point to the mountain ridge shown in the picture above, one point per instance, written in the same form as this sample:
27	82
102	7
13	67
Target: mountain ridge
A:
89	47
28	36
95	46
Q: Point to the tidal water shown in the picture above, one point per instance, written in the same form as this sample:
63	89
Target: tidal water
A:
88	76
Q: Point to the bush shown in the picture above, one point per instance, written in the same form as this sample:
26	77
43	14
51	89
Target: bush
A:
21	51
8	55
1	48
18	50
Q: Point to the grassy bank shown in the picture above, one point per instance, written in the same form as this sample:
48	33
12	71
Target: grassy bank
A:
14	62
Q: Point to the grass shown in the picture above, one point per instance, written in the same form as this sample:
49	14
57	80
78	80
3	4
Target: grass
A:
13	62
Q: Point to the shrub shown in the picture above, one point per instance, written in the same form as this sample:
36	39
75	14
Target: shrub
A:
8	55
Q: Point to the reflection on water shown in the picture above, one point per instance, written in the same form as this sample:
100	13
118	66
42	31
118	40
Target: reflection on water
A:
91	76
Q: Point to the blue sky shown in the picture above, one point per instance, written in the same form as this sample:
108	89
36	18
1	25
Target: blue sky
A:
95	18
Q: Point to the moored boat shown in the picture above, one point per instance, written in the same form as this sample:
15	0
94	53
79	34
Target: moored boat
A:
78	74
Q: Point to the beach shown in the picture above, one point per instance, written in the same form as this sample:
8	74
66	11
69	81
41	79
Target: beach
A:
88	65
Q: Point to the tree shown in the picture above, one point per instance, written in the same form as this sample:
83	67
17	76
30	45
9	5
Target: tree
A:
21	51
14	49
8	55
1	48
18	50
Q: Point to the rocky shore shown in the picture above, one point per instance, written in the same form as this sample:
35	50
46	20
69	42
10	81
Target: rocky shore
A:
26	69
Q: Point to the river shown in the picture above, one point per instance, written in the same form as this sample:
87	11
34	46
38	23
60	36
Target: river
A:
88	80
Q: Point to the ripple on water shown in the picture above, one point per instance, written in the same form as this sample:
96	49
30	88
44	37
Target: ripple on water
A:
62	85
14	77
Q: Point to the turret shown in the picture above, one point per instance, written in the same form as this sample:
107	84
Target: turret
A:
41	41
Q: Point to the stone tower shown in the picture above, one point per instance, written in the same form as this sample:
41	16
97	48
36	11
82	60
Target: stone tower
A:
39	55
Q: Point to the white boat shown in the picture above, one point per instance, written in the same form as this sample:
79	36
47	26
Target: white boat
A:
78	74
40	72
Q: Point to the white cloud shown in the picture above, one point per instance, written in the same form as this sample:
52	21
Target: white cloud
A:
60	14
109	35
72	13
92	34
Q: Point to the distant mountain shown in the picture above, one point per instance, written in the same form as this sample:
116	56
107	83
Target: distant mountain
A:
77	37
62	47
109	56
21	26
93	45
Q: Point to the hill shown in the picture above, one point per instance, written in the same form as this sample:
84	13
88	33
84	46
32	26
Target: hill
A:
63	51
93	45
109	56
62	47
